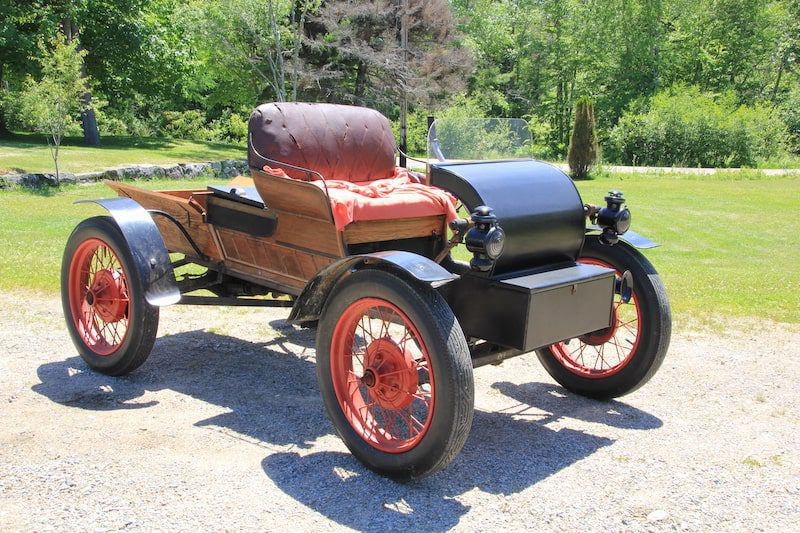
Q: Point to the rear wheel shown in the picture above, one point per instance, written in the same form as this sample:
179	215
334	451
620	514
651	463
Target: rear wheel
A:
110	322
620	359
395	373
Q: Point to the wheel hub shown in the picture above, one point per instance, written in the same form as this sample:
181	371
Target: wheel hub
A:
108	295
390	375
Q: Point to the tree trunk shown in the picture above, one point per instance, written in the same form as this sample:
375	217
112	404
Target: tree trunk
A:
778	79
4	131
91	135
361	80
298	41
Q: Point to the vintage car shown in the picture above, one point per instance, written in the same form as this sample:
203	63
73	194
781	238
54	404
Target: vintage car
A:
367	253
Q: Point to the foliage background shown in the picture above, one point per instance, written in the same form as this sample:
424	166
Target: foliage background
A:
673	82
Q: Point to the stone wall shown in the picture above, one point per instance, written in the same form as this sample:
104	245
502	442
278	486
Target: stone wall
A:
215	169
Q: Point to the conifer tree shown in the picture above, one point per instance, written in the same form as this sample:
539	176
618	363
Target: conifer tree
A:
582	153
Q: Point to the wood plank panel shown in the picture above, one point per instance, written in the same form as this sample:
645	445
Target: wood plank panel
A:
267	261
387	230
308	233
188	214
294	196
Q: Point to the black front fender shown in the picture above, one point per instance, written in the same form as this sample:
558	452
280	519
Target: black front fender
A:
415	268
636	240
150	255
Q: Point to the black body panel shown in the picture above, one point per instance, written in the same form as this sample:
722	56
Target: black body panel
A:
533	310
153	265
249	195
536	204
245	212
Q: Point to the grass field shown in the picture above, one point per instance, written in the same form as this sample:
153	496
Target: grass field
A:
29	153
730	246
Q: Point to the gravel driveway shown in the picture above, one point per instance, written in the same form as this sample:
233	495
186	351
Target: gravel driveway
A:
223	428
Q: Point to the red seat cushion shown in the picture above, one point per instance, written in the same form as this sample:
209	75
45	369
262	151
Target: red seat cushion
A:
400	196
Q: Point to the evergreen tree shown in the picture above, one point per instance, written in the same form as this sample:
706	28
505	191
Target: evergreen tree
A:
582	153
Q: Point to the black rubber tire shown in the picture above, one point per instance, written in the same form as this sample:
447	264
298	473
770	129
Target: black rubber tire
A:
656	319
143	317
450	361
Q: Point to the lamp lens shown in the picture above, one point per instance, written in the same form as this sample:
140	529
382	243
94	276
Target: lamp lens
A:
495	242
623	223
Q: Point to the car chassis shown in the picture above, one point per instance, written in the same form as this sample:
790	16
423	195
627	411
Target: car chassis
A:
400	323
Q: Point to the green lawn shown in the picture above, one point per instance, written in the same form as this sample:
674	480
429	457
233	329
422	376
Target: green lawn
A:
730	247
29	153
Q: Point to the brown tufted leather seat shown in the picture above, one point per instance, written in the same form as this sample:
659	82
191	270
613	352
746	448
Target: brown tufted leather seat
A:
340	142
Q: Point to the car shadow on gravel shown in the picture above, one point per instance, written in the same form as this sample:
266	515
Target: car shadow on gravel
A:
269	388
270	393
506	452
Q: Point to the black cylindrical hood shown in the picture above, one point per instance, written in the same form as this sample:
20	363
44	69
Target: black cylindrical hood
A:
536	204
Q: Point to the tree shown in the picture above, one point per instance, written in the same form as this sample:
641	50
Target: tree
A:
51	105
583	143
91	135
360	60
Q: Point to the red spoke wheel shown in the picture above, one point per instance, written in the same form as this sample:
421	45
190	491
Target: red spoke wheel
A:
623	357
601	354
395	373
109	320
98	296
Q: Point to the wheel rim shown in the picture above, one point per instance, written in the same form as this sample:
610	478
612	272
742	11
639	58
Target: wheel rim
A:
382	375
99	297
601	354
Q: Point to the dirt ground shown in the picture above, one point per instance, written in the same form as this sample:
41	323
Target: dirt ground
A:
223	428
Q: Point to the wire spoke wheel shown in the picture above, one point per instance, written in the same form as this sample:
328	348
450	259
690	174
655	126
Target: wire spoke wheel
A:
621	358
603	353
99	297
108	317
395	374
382	375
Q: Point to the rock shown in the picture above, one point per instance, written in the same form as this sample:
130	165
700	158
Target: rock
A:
11	180
194	170
114	174
88	177
67	177
241	166
657	516
216	168
132	173
229	168
149	172
174	172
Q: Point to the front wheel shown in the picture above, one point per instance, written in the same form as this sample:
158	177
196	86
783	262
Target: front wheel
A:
110	322
395	373
618	360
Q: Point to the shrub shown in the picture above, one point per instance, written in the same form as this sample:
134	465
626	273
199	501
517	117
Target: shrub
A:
682	126
114	122
416	134
183	124
582	152
230	128
790	113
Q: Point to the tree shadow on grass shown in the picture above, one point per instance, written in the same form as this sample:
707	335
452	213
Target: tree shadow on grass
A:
117	142
271	395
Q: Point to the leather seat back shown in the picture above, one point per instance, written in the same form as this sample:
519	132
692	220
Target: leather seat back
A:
340	142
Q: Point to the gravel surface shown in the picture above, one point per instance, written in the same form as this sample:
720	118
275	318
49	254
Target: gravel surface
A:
223	428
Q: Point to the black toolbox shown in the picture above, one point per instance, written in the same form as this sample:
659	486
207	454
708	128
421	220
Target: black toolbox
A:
529	311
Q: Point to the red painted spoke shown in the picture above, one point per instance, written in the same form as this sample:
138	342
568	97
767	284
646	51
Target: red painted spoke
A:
381	412
616	345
